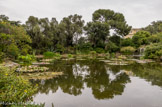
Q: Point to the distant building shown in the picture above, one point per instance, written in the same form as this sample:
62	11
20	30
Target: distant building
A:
132	32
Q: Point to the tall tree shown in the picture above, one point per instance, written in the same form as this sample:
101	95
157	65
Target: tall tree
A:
42	32
73	27
116	21
33	29
97	32
4	18
154	27
105	20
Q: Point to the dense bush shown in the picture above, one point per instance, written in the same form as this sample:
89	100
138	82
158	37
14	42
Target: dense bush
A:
13	40
14	89
154	27
48	55
128	50
154	51
60	48
112	55
107	56
85	48
13	51
141	38
2	56
112	47
127	42
26	60
70	55
99	50
93	52
26	50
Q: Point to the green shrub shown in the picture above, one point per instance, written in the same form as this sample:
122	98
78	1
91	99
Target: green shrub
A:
13	88
107	55
153	51
100	50
70	55
93	52
2	55
48	55
26	50
128	50
112	47
141	38
60	48
57	56
27	60
85	48
126	42
13	51
112	55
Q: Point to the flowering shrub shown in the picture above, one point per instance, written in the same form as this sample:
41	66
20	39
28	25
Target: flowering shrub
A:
13	88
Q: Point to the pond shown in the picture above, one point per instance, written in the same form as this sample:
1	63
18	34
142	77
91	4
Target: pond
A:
94	83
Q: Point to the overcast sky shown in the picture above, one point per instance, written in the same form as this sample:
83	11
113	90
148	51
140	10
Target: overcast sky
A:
138	13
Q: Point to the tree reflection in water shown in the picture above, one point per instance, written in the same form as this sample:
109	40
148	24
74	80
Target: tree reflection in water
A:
104	80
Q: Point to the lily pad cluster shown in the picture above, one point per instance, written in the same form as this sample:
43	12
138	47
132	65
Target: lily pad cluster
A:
31	69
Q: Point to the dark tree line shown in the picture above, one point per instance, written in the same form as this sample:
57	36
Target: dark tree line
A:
53	36
67	36
70	35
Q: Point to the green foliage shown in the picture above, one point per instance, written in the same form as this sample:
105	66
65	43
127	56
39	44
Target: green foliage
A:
48	55
112	55
48	36
141	38
93	52
70	56
26	49
2	56
85	48
112	47
107	55
26	60
57	56
72	28
13	39
99	50
115	20
154	27
14	89
4	18
115	39
5	41
154	51
127	42
60	48
156	38
97	32
128	50
13	51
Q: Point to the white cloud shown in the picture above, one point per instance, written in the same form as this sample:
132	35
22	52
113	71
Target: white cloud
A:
138	13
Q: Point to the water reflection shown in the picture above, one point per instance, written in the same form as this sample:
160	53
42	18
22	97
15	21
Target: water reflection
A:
105	81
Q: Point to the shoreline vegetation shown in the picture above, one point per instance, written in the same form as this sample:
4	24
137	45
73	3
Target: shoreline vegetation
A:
27	49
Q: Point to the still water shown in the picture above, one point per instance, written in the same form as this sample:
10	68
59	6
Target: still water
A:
93	83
